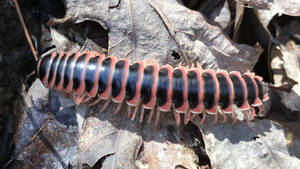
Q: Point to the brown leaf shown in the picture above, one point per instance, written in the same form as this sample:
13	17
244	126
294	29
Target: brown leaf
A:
168	146
290	7
201	41
286	65
260	144
44	140
269	8
108	133
287	71
291	57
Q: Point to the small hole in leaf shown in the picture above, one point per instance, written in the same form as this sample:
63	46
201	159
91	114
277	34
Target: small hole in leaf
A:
175	55
254	138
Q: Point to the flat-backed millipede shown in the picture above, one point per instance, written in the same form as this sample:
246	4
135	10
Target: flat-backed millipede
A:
192	91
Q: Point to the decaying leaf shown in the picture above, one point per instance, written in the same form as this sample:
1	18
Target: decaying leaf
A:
107	134
55	145
196	38
291	57
269	8
168	146
280	6
286	65
287	71
234	146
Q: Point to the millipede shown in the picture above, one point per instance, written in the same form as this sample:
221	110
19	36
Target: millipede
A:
91	77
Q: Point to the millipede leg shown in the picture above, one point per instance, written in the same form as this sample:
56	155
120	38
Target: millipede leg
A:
252	112
157	117
245	116
187	115
215	119
199	66
193	65
260	109
88	98
136	109
64	93
78	98
95	102
129	109
193	116
142	114
223	115
106	103
203	116
176	115
151	114
134	113
234	118
119	107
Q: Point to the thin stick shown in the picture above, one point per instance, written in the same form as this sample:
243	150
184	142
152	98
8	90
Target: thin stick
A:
171	31
132	29
25	30
30	141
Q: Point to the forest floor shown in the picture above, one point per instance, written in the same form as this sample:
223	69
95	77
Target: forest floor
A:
38	124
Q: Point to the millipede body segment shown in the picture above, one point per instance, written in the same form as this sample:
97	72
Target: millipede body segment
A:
190	91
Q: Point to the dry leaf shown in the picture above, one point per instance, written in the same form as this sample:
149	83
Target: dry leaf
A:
55	145
269	8
169	146
286	65
196	38
260	144
111	136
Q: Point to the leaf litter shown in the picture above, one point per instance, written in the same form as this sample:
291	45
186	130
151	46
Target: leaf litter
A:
136	30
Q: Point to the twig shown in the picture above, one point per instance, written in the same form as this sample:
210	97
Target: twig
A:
128	53
171	30
25	29
30	141
132	29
